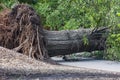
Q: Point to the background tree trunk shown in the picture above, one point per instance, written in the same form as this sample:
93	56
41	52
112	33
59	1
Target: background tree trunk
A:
72	41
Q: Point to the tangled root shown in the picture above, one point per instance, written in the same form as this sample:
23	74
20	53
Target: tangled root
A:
21	30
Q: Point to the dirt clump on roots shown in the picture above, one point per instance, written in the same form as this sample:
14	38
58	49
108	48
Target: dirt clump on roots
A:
21	30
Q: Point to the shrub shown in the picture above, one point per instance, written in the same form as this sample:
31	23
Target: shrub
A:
73	14
113	43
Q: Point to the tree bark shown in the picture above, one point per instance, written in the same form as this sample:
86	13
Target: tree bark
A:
73	41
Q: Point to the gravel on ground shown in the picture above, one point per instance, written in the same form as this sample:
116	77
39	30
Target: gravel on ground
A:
15	66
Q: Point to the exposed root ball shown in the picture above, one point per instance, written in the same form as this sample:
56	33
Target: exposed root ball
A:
21	30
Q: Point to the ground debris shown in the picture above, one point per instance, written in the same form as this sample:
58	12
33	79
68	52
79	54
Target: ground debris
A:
18	66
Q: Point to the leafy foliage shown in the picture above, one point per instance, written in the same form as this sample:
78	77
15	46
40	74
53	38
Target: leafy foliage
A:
7	3
73	14
113	41
113	51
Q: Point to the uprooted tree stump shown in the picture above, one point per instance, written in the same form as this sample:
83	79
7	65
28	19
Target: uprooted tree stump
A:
21	30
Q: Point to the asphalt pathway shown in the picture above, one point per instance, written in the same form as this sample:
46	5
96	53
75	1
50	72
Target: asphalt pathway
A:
92	64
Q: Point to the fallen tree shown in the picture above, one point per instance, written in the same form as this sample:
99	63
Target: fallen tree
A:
21	30
73	41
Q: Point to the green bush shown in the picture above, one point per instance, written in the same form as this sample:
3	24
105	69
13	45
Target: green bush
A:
73	14
113	50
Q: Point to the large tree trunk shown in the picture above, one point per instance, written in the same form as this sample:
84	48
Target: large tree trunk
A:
72	41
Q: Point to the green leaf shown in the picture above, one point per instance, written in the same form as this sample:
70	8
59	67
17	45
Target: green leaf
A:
118	14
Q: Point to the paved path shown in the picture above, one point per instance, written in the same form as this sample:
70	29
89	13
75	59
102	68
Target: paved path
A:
93	64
